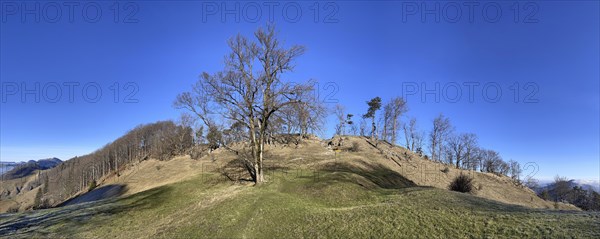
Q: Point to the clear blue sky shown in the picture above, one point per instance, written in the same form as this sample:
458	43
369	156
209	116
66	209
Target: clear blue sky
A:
366	48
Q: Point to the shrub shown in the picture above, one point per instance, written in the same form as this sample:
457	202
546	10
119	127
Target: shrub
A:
40	202
462	183
92	185
38	198
545	195
420	152
355	147
196	153
158	167
446	170
13	209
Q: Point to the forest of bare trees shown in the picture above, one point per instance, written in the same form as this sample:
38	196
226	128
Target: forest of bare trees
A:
161	140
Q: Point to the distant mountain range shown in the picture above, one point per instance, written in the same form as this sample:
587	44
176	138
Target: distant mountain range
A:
12	170
585	184
7	166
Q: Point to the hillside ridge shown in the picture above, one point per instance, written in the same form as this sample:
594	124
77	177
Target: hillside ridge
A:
311	187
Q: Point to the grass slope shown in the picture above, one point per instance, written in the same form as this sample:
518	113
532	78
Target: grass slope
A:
349	204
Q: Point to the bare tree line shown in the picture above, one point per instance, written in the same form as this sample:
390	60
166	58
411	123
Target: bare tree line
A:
161	140
462	150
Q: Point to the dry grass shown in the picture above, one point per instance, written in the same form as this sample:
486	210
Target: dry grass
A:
428	173
154	173
312	191
310	155
331	204
24	199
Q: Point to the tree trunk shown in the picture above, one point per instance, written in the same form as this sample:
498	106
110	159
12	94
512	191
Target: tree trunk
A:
373	128
394	129
259	175
117	164
433	149
256	152
384	132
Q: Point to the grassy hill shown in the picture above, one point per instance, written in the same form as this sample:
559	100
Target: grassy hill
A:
29	168
312	191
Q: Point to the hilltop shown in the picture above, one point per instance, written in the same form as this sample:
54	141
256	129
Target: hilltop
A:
19	170
360	189
413	169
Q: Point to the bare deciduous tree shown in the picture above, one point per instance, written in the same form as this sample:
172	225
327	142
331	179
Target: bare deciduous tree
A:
312	112
493	163
455	150
363	127
186	121
561	188
387	122
532	183
438	135
302	118
410	134
196	102
340	114
489	160
393	110
515	169
250	90
503	167
469	141
418	142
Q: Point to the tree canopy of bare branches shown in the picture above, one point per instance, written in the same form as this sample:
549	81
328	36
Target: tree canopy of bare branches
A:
438	135
340	114
392	111
250	91
462	150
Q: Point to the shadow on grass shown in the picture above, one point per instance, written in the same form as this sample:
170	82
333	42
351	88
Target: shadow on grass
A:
101	193
479	203
375	173
70	217
237	170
